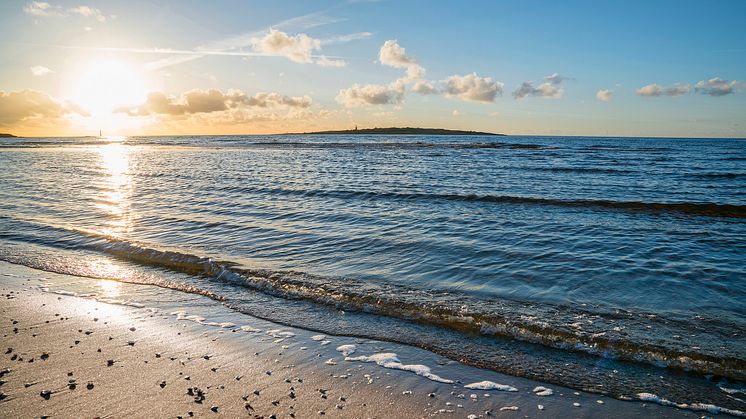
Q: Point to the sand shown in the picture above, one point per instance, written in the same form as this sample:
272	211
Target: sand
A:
70	356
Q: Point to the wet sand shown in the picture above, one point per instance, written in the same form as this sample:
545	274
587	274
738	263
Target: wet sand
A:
69	356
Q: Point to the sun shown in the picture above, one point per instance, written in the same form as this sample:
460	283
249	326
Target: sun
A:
103	87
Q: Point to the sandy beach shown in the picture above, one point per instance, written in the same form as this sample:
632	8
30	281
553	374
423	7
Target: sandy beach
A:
74	356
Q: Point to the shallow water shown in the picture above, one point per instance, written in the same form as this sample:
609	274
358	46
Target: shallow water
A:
617	256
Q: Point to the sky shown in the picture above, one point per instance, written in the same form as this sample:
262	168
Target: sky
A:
609	68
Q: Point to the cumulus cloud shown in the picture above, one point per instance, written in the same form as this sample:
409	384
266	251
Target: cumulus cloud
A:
424	87
24	105
394	55
208	101
40	70
472	88
658	90
604	95
297	48
552	88
324	61
456	112
717	86
371	94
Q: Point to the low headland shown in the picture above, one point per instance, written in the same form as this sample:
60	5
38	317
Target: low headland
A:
397	131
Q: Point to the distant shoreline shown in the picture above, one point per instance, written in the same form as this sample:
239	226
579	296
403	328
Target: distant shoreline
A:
397	131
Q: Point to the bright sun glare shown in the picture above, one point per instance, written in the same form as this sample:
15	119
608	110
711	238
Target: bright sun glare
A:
101	87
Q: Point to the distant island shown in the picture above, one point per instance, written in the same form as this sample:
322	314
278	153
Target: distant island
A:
398	131
4	135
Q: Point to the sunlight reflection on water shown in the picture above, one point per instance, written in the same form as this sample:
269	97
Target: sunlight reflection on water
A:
115	188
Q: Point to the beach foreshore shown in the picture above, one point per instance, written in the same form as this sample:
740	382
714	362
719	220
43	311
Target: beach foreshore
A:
67	355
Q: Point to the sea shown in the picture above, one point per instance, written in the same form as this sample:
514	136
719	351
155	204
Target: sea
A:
605	264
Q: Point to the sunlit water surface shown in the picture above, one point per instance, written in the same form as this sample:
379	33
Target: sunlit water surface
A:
611	264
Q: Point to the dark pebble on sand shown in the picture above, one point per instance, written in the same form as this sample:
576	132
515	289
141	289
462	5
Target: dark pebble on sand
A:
110	362
214	409
45	394
162	384
89	386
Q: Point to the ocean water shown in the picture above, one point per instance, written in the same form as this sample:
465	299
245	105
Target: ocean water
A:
614	265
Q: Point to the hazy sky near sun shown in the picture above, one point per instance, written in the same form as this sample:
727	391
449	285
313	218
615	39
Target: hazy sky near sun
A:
658	68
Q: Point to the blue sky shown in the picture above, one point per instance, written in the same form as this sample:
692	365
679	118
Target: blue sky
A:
666	68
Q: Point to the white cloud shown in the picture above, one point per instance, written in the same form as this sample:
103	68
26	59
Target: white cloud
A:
496	113
472	88
208	101
394	55
424	87
456	112
89	12
40	8
555	79
717	86
604	95
324	61
658	90
40	70
371	94
297	48
44	9
552	88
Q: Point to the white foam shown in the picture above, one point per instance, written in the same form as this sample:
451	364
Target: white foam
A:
489	385
182	315
391	360
710	408
120	302
281	334
508	408
250	329
318	337
347	350
731	390
543	391
221	324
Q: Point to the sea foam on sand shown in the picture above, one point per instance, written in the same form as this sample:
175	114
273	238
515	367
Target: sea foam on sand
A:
489	385
391	360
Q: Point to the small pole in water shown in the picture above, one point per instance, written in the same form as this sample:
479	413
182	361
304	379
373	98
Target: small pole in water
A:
99	134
